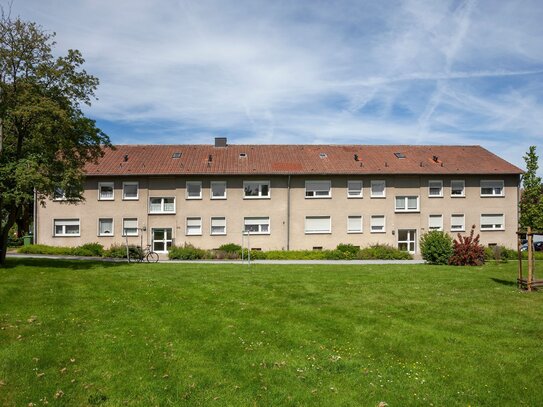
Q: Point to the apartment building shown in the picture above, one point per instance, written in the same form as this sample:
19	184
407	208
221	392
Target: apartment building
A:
287	197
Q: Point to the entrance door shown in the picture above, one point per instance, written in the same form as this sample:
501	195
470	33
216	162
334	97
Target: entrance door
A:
162	240
407	239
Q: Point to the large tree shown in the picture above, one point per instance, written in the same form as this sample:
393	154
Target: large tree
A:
45	139
531	202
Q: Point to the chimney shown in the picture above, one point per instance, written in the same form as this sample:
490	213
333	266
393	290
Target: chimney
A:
220	142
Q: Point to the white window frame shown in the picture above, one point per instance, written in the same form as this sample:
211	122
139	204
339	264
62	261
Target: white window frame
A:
259	196
59	194
495	182
257	220
463	188
64	223
196	232
137	184
211	189
318	231
354	231
124	227
162	205
375	183
199	184
165	240
112	227
104	184
216	218
372	224
356	182
316	193
462	227
493	226
440	225
406	202
436	183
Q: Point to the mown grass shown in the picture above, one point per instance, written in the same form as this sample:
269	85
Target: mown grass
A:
88	333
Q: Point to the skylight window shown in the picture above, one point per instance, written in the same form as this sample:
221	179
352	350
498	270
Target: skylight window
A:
242	155
323	155
399	155
176	155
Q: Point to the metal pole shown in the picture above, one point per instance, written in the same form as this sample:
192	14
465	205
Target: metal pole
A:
249	247
530	258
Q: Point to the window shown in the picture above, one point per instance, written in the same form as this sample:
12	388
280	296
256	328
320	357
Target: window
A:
59	194
194	226
130	227
492	222
105	191
218	189
354	189
378	189
257	226
377	224
162	240
492	188
161	205
457	188
318	224
256	189
194	190
435	188
66	227
354	224
105	227
407	203
318	189
218	226
435	222
130	190
458	223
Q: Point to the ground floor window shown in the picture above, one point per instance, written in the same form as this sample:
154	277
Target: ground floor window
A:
377	224
407	239
492	222
257	225
66	227
105	227
354	224
218	226
194	226
162	240
318	224
130	227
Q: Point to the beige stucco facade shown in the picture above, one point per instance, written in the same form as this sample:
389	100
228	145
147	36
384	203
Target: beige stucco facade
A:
286	207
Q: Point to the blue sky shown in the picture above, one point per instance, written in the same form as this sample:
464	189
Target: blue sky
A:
353	72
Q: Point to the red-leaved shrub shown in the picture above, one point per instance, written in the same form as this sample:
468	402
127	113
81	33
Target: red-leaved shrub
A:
467	251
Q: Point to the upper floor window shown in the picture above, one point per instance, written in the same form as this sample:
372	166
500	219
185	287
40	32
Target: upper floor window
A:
130	190
59	194
318	189
66	227
218	189
194	226
318	224
354	189
458	223
377	224
458	188
354	224
256	189
378	189
492	222
194	190
407	204
435	188
218	226
161	205
492	188
105	191
105	227
259	226
130	227
435	222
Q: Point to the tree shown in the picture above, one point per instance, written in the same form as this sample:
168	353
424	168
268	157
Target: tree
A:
45	139
531	202
436	247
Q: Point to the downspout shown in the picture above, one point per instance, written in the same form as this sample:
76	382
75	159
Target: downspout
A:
288	213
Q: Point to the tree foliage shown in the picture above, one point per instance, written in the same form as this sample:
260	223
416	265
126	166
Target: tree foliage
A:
45	138
467	251
436	247
531	202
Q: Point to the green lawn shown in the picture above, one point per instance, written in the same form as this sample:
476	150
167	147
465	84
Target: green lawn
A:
85	333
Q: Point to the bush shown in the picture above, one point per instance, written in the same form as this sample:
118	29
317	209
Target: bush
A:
467	251
500	253
89	249
230	248
188	252
383	252
436	247
43	249
15	241
346	251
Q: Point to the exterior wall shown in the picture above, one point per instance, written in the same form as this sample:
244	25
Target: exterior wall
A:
235	208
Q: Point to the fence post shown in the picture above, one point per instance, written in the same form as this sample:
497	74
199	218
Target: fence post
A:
530	258
519	279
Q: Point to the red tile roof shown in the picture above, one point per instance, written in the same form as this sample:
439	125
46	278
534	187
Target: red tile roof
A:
298	159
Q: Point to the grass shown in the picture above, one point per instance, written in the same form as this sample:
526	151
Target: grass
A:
89	333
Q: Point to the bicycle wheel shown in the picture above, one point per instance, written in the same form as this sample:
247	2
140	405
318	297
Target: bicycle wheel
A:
152	257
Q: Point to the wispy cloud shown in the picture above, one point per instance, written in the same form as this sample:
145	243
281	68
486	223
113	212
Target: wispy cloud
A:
447	72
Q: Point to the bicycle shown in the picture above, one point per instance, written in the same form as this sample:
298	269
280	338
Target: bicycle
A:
145	254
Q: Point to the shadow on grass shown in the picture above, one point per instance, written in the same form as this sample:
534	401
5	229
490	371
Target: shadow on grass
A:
504	282
60	264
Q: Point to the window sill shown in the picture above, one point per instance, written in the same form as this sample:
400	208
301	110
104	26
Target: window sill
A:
435	196
74	235
377	197
193	234
378	231
256	197
407	211
355	233
130	235
492	196
217	234
161	213
194	198
131	199
458	196
318	233
492	230
110	235
354	197
319	197
106	199
215	198
255	233
458	230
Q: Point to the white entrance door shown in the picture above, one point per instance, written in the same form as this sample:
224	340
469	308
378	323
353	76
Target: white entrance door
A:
162	240
407	240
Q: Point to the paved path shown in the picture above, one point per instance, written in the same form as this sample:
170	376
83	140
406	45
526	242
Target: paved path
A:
338	262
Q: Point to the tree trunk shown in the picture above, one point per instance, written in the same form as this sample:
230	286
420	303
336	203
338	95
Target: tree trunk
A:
5	234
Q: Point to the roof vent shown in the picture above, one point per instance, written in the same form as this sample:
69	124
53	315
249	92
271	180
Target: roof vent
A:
242	155
399	155
210	158
323	155
176	155
356	157
125	157
220	141
435	158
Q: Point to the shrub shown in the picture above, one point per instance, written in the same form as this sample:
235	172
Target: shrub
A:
187	252
230	248
383	252
436	247
467	251
15	241
500	253
44	249
89	249
117	251
348	251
